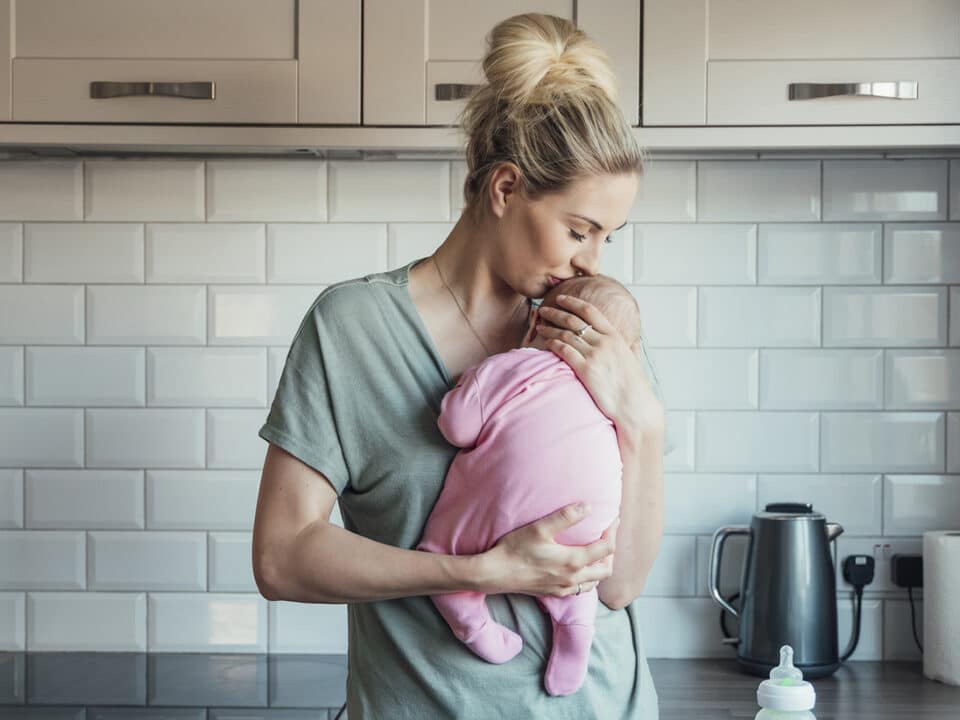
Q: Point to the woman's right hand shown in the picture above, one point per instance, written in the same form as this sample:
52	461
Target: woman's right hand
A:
528	560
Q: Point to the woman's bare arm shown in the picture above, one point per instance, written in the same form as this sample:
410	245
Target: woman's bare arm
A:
299	555
641	516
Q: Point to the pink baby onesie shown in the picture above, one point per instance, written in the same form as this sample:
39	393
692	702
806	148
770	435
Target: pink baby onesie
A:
533	441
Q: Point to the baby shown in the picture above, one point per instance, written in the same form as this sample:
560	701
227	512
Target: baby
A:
533	441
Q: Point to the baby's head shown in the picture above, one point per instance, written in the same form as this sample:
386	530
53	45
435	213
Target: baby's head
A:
609	296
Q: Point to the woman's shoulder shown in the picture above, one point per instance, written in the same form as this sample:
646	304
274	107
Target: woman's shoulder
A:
360	295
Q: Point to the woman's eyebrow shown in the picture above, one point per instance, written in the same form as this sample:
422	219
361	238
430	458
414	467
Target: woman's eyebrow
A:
597	225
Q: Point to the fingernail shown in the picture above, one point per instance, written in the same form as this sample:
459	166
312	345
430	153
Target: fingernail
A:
584	508
561	297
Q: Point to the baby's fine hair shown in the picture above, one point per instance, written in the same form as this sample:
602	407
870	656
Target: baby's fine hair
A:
609	296
548	107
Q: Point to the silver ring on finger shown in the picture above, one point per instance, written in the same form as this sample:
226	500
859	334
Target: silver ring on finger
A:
579	588
581	332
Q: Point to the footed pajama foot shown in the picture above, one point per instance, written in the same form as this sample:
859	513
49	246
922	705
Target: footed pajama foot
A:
569	656
494	643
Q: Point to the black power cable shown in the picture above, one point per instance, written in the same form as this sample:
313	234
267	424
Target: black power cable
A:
913	618
855	638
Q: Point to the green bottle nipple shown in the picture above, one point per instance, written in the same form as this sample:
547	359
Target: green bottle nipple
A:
785	673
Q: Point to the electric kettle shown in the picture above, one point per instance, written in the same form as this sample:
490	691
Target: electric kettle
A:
788	592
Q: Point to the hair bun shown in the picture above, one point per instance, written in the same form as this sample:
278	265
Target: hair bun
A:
536	58
548	108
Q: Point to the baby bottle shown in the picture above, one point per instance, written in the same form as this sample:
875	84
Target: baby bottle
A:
786	695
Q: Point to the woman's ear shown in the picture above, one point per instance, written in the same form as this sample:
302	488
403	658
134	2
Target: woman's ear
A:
531	327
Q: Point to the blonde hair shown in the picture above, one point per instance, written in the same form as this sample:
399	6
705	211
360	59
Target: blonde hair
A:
549	107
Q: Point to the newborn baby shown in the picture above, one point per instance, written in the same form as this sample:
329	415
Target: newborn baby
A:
533	441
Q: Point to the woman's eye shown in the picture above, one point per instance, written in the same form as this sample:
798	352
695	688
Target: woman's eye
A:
580	238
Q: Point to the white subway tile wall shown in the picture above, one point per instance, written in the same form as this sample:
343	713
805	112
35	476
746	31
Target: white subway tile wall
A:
803	316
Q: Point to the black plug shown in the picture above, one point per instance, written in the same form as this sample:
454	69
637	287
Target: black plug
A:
858	570
906	570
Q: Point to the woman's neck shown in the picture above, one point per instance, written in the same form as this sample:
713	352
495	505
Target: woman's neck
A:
464	259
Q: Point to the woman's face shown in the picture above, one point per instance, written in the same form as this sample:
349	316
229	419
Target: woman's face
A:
544	241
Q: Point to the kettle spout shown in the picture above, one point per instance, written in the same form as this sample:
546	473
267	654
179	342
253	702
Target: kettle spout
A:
833	531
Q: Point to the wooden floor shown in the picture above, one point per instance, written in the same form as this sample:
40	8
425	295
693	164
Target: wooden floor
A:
718	690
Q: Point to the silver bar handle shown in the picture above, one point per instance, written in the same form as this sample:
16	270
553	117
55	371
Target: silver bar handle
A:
716	554
453	91
896	89
191	90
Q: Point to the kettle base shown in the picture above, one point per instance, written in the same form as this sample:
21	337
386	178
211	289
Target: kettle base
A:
810	672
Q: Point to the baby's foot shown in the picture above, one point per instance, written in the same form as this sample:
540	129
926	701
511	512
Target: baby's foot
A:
567	666
494	643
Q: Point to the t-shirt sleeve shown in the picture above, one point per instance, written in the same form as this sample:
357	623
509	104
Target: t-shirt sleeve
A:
302	419
461	412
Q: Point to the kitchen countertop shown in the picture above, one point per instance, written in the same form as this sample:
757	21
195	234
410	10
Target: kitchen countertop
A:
139	686
718	690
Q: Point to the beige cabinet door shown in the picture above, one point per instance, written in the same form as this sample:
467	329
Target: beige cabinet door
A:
819	62
181	61
328	53
5	59
421	58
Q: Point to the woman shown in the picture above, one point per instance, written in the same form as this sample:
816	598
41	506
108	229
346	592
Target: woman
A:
552	171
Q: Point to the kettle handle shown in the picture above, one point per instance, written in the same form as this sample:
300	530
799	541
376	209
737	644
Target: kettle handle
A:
716	553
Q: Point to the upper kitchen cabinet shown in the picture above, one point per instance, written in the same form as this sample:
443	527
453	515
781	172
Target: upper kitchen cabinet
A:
818	62
180	61
421	58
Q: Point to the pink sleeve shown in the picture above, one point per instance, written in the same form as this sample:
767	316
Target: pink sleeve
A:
461	412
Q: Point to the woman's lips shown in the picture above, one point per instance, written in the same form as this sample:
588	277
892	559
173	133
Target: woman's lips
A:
554	281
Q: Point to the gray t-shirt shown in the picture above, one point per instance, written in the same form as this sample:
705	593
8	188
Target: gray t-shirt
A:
358	401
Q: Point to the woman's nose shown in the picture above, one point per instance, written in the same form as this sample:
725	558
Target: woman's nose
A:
587	262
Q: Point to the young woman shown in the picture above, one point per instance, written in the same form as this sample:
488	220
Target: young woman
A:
553	170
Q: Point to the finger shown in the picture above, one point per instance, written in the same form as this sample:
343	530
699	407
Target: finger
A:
554	333
577	589
611	531
599	550
569	354
588	312
560	520
584	586
565	320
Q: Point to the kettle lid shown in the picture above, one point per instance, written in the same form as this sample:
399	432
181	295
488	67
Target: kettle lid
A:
789	511
788	507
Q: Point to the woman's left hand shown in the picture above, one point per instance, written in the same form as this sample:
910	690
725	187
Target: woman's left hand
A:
609	368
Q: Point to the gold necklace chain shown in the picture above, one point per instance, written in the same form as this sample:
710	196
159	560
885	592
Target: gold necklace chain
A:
463	312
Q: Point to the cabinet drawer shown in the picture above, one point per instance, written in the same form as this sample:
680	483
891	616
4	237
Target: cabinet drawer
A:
756	92
156	29
246	91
